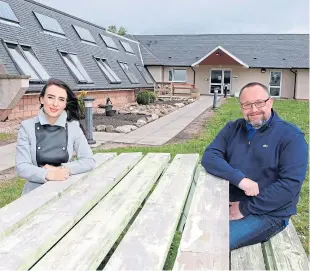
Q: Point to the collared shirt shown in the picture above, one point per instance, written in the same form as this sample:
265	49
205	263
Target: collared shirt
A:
61	121
251	130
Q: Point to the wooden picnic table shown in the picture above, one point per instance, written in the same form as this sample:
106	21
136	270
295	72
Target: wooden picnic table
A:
73	225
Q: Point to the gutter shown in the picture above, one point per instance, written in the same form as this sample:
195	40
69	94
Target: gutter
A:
194	74
295	72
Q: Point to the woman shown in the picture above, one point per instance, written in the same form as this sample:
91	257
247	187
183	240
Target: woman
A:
46	143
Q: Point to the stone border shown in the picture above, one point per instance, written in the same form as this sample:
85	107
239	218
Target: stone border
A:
148	114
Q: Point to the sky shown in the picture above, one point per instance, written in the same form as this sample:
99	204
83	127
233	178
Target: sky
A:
141	17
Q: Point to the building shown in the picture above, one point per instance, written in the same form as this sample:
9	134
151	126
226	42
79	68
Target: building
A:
40	42
281	62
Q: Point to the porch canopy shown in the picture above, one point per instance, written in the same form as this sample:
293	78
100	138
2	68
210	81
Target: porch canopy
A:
220	56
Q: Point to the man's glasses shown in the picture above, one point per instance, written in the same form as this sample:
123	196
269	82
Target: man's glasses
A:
258	104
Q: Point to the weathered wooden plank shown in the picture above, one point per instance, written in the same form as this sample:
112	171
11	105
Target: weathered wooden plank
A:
32	240
285	252
19	211
248	258
146	244
86	245
205	240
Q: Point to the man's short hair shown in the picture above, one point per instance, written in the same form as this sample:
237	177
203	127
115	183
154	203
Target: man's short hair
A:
253	84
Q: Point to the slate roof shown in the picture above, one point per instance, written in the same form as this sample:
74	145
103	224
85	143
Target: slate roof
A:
45	47
270	50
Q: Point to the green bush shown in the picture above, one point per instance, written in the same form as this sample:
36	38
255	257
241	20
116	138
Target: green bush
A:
143	97
82	95
152	97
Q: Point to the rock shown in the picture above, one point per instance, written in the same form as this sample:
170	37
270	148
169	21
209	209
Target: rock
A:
109	128
124	112
131	108
100	128
143	113
191	100
125	128
149	119
164	111
135	112
155	116
179	105
141	122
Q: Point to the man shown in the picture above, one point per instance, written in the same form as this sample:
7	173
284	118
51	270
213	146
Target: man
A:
265	159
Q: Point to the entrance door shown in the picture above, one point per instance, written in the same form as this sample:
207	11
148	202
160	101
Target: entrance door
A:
219	80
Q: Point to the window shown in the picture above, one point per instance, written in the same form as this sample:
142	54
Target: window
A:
177	75
75	66
6	13
109	42
25	59
49	24
84	34
108	72
127	47
275	83
132	78
145	74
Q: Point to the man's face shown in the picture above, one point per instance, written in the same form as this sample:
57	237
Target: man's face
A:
256	115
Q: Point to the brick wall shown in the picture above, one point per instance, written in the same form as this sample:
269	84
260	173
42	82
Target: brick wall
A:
29	105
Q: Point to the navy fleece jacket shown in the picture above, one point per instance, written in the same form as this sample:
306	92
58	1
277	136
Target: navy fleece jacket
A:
276	158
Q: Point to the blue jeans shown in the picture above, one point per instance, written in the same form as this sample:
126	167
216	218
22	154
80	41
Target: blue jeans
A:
253	229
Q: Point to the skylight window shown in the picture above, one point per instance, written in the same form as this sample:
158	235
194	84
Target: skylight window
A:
49	24
145	74
109	42
6	13
127	47
84	34
108	72
27	62
131	76
75	66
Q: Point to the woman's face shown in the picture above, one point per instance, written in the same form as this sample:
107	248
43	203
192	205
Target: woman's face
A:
54	102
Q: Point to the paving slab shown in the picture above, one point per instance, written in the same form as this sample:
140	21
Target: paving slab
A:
162	130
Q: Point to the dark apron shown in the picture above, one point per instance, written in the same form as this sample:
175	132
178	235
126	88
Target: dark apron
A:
52	142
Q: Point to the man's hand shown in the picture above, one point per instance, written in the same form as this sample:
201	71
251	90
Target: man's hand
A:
249	187
57	174
234	211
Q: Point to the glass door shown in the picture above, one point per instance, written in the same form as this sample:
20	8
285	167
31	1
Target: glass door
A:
221	80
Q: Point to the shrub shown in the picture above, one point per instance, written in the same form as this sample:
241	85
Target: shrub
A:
82	95
143	97
152	97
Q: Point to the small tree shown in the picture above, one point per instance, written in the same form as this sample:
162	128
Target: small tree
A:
121	31
112	28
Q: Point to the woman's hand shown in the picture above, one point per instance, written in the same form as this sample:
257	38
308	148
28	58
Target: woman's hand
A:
57	173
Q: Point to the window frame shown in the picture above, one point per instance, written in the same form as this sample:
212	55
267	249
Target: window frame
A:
177	81
91	42
113	48
278	87
146	71
63	55
102	60
129	73
132	52
47	30
19	48
10	20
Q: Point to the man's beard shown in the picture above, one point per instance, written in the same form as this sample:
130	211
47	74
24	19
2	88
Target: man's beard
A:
257	123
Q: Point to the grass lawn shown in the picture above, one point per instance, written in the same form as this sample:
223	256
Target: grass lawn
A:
292	111
7	136
296	112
